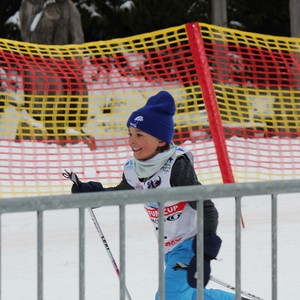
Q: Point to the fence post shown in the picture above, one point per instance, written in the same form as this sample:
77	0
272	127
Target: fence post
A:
200	250
122	234
238	252
274	247
40	254
0	255
81	253
161	260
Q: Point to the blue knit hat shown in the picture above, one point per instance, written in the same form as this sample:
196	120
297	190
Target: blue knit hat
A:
156	117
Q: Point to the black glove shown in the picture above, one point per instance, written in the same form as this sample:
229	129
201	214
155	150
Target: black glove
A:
212	245
82	187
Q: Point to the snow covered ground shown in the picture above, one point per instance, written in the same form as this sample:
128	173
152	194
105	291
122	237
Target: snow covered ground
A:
61	252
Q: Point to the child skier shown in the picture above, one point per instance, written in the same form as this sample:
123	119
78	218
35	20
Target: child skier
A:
158	163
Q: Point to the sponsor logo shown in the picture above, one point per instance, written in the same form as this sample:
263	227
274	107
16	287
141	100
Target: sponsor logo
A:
171	213
167	166
155	183
136	121
173	242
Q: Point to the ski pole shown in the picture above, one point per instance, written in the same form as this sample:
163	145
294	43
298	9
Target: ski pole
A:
231	287
99	230
73	177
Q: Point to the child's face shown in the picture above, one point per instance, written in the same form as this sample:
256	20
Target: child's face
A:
143	145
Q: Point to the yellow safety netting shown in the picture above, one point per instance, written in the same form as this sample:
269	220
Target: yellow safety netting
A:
66	107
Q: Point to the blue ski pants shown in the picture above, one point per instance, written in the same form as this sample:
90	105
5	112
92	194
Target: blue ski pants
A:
176	286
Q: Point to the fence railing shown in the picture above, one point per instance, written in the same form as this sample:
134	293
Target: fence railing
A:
81	202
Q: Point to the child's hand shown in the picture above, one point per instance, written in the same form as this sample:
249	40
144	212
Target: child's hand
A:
82	187
212	245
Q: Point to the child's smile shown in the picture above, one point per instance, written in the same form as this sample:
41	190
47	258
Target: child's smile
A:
143	145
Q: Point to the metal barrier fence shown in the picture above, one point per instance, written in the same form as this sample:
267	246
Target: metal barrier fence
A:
123	198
